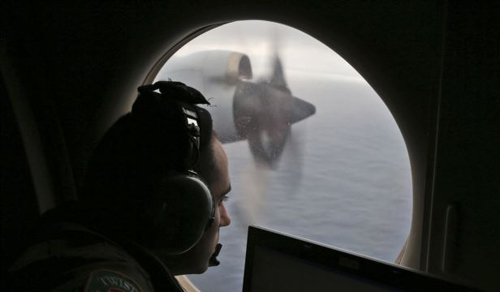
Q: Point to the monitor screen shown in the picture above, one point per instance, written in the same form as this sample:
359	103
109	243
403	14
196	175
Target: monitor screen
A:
276	271
280	262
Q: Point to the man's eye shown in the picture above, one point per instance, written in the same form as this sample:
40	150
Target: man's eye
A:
225	198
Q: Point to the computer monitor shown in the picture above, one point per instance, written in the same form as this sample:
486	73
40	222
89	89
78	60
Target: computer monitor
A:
280	262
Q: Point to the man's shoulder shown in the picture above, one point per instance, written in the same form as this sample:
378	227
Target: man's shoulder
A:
77	260
93	278
108	279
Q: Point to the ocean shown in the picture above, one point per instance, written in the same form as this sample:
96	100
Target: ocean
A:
343	180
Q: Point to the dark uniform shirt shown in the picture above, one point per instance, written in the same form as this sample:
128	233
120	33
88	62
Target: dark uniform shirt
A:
71	257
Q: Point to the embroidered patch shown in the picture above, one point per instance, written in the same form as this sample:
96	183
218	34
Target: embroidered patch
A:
110	281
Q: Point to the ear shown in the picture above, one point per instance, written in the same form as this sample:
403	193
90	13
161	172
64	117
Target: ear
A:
177	217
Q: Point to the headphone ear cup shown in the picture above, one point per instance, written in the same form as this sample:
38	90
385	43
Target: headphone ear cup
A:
179	215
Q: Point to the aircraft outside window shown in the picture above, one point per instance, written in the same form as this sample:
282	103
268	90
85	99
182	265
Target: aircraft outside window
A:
313	151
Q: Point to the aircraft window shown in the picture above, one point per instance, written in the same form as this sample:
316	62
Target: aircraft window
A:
313	150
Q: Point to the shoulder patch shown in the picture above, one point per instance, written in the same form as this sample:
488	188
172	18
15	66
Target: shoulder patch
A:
110	281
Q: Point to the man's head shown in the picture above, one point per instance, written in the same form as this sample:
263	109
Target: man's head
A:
196	260
128	178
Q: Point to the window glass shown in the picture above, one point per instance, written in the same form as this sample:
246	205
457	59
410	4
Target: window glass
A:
313	150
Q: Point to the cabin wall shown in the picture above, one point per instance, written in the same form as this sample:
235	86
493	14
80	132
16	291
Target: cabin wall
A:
465	236
19	208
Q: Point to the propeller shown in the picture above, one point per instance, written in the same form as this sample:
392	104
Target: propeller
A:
261	111
264	112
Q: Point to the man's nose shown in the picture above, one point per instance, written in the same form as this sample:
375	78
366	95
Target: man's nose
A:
225	218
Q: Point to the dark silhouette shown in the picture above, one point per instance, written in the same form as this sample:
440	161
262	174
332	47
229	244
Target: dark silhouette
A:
145	214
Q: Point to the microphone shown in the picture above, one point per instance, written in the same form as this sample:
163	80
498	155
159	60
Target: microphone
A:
213	262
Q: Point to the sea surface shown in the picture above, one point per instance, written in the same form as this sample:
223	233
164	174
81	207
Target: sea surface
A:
343	180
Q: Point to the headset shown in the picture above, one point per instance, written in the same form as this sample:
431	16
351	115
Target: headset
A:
180	209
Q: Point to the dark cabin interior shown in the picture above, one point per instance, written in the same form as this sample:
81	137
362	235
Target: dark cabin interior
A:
68	68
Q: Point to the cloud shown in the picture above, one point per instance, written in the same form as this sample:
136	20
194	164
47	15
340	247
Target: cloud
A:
260	39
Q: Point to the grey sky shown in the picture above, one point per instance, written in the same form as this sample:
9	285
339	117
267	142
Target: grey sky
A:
258	39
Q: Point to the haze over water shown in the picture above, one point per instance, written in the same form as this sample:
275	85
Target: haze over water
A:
343	180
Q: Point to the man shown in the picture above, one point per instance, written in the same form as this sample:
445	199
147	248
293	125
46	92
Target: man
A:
152	205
